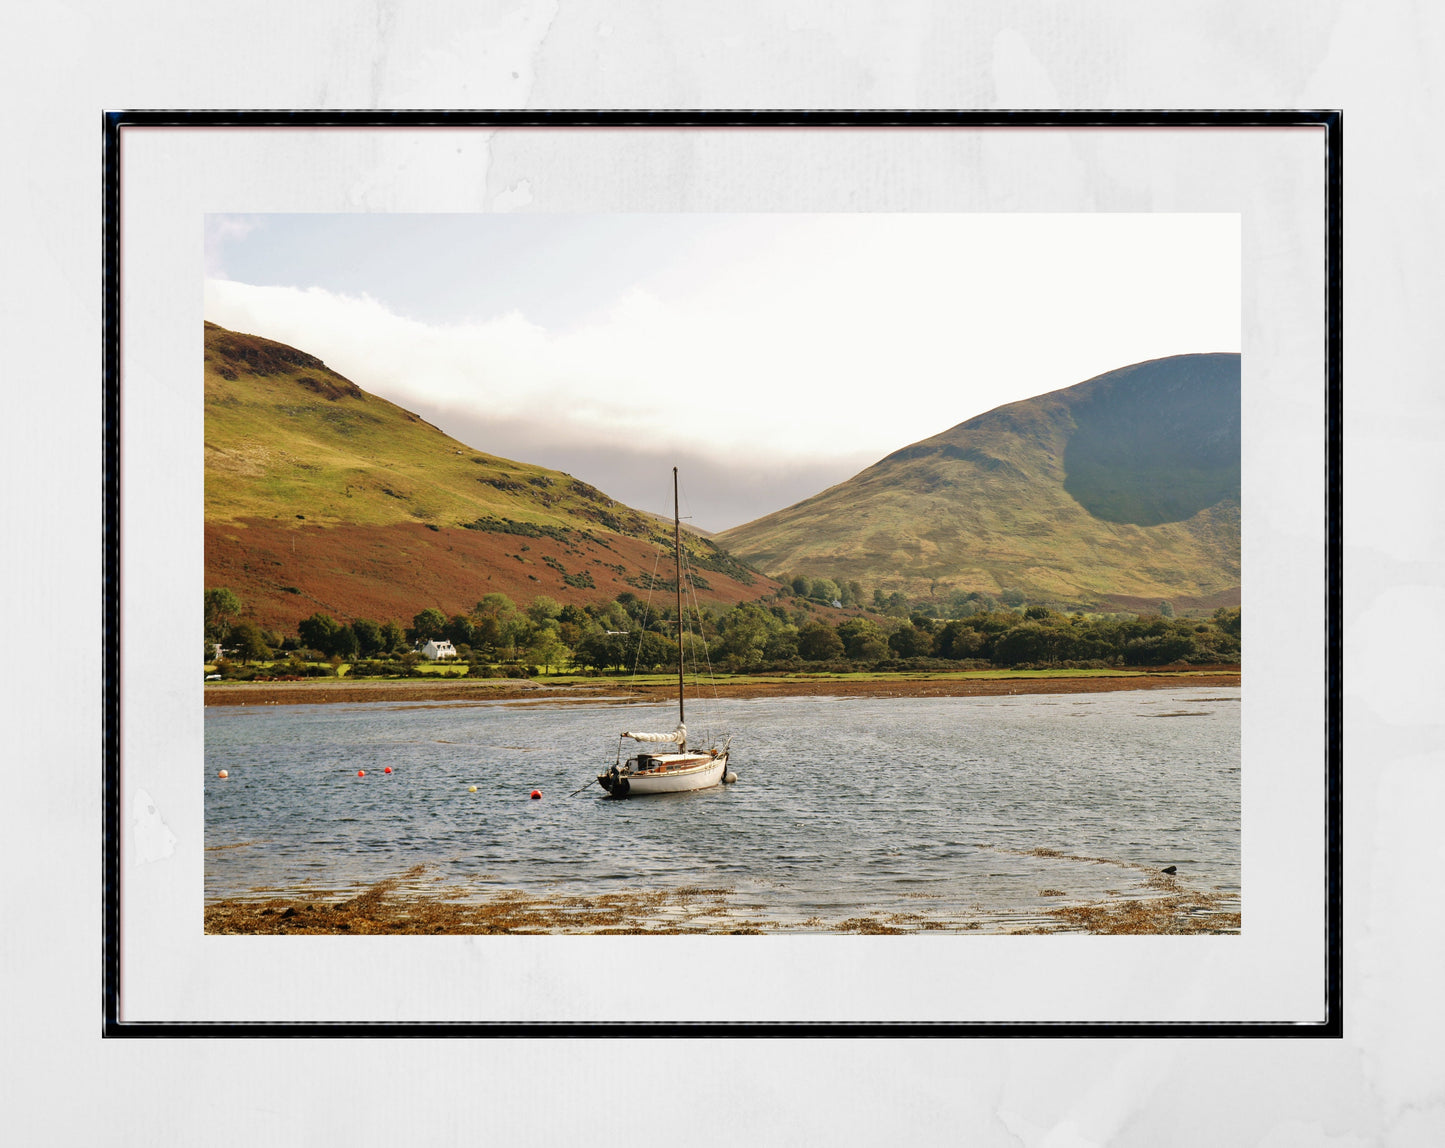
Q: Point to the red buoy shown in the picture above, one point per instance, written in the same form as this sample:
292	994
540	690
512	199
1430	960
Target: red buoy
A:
223	775
361	773
387	769
536	794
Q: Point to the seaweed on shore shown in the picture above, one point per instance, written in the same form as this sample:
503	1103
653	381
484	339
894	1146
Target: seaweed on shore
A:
390	908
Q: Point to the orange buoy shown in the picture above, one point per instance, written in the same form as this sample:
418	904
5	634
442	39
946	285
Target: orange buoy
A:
387	769
471	789
536	794
361	773
223	774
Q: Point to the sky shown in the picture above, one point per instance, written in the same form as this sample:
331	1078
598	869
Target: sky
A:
767	356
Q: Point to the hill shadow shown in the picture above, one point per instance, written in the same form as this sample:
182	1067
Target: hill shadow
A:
1156	442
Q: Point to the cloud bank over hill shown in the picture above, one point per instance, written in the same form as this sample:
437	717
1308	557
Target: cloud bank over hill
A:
767	356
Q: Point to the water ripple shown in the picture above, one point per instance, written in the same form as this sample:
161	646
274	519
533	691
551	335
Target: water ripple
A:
856	805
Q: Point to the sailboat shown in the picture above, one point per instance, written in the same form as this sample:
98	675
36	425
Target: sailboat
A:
678	770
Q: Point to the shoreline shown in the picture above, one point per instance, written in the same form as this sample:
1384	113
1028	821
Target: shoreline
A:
1160	905
904	685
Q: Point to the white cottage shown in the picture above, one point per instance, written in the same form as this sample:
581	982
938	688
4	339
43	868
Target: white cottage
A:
436	649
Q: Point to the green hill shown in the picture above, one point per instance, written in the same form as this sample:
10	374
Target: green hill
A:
1122	489
319	495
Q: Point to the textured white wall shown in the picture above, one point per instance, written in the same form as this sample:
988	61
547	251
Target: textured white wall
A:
1378	61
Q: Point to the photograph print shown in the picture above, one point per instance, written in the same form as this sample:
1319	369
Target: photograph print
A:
805	573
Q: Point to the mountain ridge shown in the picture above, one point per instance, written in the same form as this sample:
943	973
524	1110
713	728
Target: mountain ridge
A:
319	494
1123	486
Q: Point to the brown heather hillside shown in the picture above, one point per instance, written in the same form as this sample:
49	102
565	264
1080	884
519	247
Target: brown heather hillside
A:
321	496
1120	491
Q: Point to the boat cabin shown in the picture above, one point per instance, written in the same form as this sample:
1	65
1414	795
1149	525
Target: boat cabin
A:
663	762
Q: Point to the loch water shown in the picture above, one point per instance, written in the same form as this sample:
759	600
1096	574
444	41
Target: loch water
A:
994	807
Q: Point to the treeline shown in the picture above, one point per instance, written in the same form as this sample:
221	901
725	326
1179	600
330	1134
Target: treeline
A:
494	630
752	637
787	633
896	604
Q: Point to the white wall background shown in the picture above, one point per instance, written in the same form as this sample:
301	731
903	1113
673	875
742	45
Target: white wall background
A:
59	1083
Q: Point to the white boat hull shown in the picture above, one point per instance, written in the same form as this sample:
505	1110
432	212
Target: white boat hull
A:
670	778
704	776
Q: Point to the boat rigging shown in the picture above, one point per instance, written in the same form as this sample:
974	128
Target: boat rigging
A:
679	770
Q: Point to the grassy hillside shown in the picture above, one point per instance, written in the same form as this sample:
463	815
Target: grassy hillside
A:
1121	488
286	435
319	495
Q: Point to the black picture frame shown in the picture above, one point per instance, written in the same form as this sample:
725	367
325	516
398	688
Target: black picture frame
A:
114	122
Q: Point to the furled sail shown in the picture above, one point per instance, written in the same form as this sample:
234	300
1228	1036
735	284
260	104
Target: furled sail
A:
677	736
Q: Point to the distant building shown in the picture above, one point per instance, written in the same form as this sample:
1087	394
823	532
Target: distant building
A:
436	649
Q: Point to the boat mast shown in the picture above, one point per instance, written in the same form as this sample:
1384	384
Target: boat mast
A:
677	566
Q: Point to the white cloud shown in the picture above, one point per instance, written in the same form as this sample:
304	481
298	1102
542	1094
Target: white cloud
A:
840	335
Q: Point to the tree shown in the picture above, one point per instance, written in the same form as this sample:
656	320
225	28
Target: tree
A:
745	632
962	603
430	623
1012	597
344	644
819	642
570	633
547	650
368	637
615	617
1166	609
601	651
497	626
895	605
222	606
825	589
460	630
1215	644
782	645
863	640
392	638
318	632
1160	649
801	585
543	609
695	653
487	634
497	605
958	641
910	642
1026	642
1227	619
573	614
248	643
654	651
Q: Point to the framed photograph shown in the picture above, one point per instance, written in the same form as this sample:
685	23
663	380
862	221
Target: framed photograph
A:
714	573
